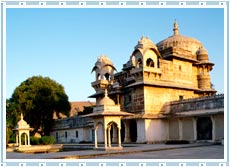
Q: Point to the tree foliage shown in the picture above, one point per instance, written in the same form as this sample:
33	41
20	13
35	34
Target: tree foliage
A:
11	113
87	110
11	120
38	98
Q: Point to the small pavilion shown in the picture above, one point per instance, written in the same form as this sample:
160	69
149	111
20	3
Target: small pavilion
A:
107	114
22	128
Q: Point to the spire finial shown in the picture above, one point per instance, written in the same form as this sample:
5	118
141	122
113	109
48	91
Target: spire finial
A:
142	37
21	116
106	93
175	28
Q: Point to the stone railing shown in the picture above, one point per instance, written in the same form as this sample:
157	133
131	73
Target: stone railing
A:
201	103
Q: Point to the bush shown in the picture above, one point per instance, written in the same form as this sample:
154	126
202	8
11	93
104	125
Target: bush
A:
34	140
47	140
12	140
10	136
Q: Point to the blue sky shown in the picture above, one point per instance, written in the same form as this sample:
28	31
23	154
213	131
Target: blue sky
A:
64	44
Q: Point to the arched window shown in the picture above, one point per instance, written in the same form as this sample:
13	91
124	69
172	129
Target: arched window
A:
139	62
158	62
133	60
98	76
107	76
149	62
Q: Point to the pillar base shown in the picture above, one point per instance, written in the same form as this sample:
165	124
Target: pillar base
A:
24	146
108	148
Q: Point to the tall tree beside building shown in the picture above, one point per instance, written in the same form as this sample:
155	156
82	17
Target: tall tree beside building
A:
38	98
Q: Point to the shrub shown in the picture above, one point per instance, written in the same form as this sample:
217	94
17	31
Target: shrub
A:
47	140
12	140
34	140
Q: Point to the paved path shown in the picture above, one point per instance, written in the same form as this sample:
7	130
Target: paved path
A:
139	151
205	152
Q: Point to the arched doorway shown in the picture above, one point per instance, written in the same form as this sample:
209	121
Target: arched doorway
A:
99	133
113	130
204	128
23	139
133	130
115	135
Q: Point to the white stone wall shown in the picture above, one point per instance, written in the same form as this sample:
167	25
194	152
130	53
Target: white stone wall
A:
218	127
141	137
84	134
156	130
173	129
100	134
187	129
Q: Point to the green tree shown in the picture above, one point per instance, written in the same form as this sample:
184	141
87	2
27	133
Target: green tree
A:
87	110
11	120
11	113
38	98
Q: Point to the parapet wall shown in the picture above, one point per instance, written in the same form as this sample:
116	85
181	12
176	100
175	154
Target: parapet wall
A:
201	103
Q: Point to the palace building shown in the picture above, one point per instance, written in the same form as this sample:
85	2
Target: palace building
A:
163	92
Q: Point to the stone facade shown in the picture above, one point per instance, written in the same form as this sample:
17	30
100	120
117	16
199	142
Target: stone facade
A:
167	89
73	130
196	113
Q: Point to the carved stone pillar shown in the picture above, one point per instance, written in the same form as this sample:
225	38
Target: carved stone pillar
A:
19	139
180	123
119	136
213	128
109	137
95	137
17	142
105	136
194	128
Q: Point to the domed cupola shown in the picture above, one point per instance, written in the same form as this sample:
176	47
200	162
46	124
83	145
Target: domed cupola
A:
104	68
202	54
144	44
204	67
179	45
22	123
104	76
106	100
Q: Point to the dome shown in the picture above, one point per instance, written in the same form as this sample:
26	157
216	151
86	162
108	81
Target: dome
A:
22	123
180	42
146	43
103	60
202	54
202	51
106	101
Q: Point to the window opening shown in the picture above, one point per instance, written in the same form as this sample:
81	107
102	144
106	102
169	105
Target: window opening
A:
158	63
139	62
107	76
150	63
98	75
56	135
